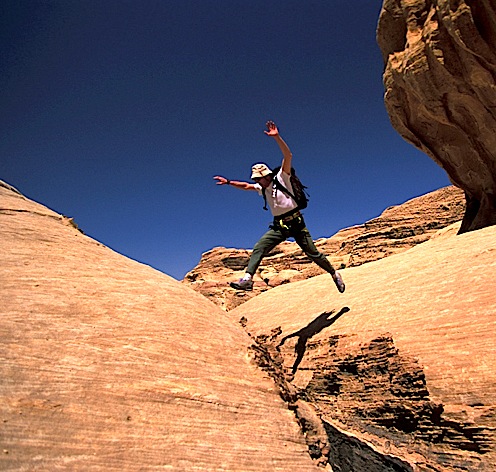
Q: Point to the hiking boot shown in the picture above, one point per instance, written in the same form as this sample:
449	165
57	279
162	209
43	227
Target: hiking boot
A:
338	280
242	284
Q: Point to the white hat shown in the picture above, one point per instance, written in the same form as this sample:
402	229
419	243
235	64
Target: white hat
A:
259	171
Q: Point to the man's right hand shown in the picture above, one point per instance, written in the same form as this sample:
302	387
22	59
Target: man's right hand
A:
221	180
234	183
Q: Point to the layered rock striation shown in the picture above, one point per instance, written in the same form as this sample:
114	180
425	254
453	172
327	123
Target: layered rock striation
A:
440	90
397	373
397	229
108	364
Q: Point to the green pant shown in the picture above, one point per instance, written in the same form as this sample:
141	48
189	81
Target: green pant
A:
275	236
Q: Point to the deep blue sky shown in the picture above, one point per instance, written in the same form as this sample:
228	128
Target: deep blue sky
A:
119	114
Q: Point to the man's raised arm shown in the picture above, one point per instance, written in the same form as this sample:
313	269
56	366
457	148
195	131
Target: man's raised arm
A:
286	153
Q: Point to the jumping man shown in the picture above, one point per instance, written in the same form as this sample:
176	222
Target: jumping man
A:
288	220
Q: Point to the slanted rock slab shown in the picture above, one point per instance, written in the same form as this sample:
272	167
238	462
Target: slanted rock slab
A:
403	363
108	364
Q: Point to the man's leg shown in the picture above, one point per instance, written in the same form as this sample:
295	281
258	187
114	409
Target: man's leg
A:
265	244
305	241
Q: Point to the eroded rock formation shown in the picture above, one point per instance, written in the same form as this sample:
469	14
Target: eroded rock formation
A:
397	229
440	90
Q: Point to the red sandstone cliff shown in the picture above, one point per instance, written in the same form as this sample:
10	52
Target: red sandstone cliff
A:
400	368
440	81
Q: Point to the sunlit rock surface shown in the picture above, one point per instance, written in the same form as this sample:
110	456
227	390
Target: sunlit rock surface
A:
107	364
440	90
398	373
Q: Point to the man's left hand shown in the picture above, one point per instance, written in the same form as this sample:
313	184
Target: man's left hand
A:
271	129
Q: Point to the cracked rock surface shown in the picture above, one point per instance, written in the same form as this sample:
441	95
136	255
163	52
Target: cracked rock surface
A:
108	364
401	365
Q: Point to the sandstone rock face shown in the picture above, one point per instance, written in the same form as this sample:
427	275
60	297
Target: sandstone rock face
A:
107	364
441	92
397	373
397	229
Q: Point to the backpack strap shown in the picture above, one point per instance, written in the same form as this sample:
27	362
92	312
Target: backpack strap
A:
265	200
280	186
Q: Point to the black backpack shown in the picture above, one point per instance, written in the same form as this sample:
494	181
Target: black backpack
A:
299	195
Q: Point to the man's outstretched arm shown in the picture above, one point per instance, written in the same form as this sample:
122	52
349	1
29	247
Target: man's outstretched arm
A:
234	183
287	156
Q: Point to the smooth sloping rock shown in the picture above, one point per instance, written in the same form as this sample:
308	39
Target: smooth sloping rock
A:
440	82
402	364
397	229
108	364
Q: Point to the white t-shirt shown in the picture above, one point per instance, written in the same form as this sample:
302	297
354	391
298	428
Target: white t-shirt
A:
279	203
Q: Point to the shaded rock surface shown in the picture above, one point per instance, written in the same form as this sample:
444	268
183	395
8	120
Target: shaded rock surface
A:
440	90
397	229
398	372
108	364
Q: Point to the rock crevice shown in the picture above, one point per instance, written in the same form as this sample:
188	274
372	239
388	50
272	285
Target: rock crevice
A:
377	392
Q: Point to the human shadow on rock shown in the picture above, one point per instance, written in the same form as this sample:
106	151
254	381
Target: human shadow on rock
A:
316	326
